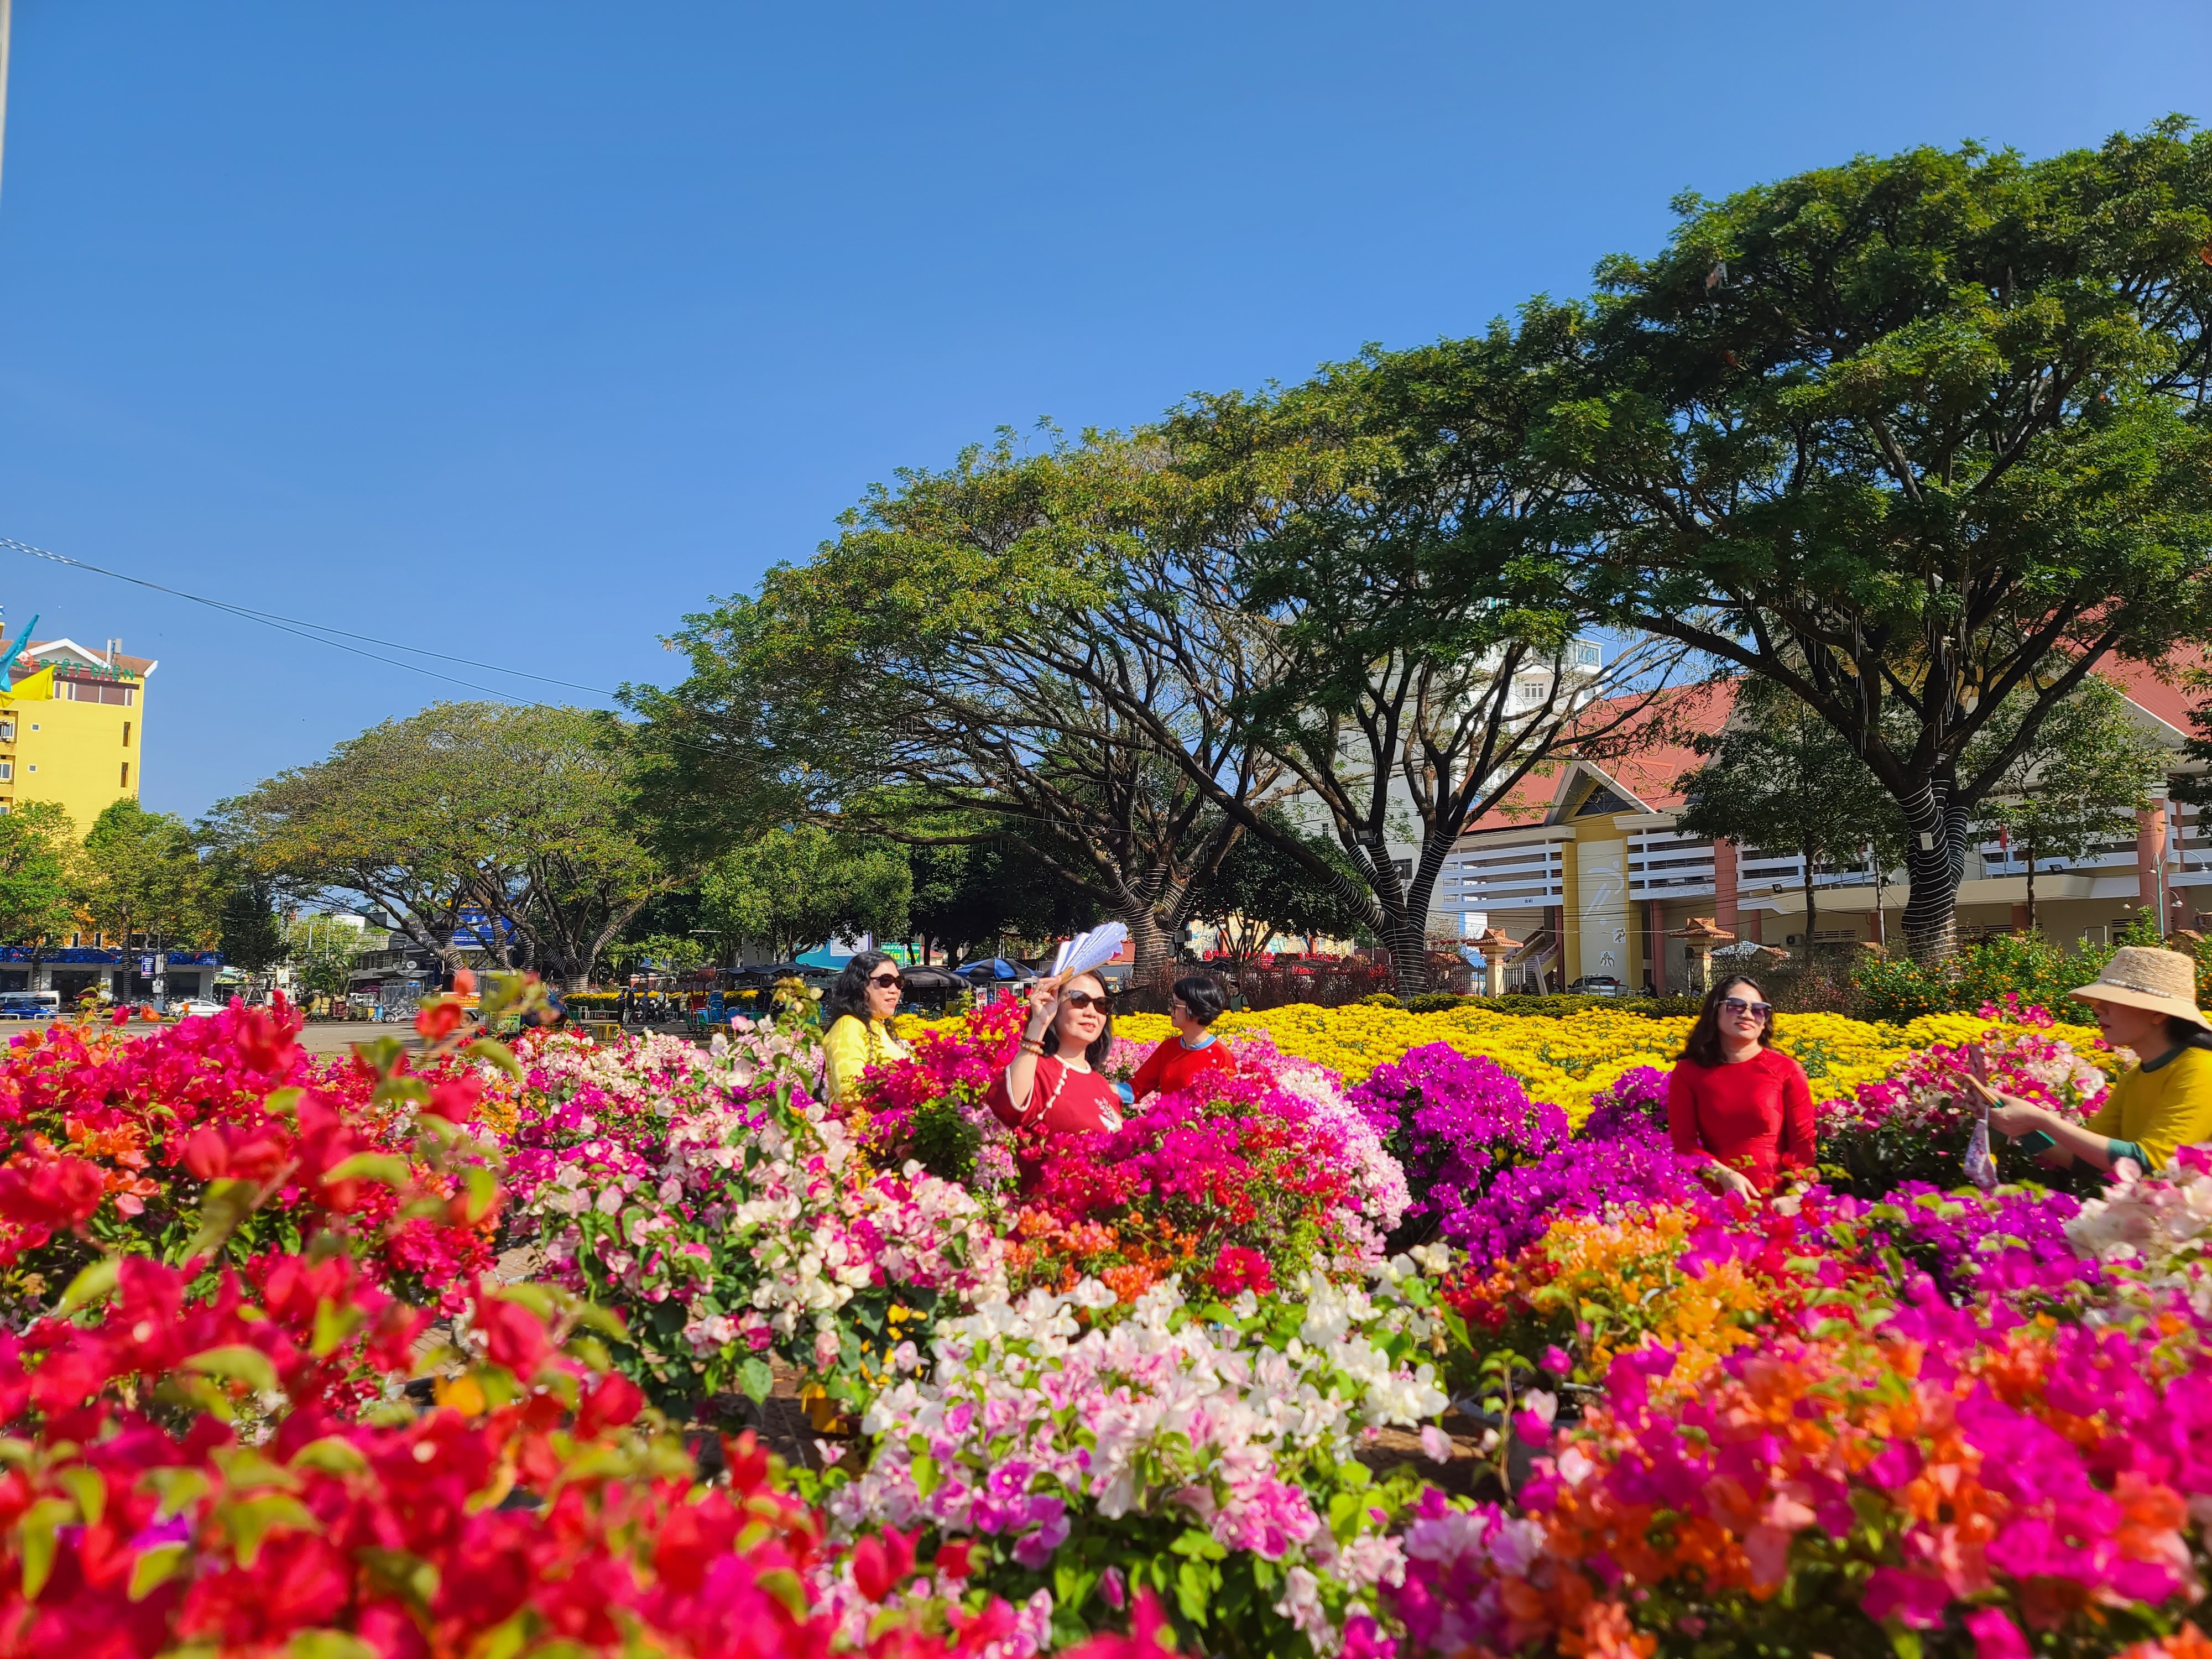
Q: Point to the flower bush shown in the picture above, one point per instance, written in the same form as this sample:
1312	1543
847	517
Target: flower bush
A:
1206	1453
1258	1175
125	1141
745	1222
1914	1123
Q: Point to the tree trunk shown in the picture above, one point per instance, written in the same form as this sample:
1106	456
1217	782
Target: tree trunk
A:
1812	904
1407	941
1934	863
1147	938
2031	887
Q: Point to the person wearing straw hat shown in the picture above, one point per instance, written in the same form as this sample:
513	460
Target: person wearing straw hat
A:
2146	1001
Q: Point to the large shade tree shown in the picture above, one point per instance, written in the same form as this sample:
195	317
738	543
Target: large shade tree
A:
1002	640
1919	439
38	858
514	827
141	874
1389	533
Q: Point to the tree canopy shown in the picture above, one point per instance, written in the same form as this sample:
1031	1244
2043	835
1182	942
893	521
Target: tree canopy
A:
1918	438
795	888
38	856
524	816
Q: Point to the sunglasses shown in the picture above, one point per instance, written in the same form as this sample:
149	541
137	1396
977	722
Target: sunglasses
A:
1738	1006
884	981
1085	1000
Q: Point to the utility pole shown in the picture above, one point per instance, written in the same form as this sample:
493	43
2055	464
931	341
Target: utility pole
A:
4	9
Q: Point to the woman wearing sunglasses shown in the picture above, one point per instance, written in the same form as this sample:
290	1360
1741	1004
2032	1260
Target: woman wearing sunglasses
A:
1192	1051
1736	1102
1053	1085
856	1013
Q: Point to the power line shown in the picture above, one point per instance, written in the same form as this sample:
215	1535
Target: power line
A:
301	628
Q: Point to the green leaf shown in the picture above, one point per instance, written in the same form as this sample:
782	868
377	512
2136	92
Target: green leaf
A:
95	1283
223	1208
926	1475
329	1645
334	1322
90	1491
388	1169
236	1362
36	1531
497	1053
249	1521
153	1568
754	1378
333	1454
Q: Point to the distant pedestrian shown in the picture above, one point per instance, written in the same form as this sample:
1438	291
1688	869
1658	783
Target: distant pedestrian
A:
1194	1050
856	1015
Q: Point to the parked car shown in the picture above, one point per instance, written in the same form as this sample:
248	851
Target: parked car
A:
1596	985
195	1005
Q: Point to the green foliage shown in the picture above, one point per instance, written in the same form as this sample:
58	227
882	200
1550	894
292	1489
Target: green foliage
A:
38	855
1780	778
2075	781
248	930
2028	966
1906	437
527	815
793	889
942	1139
322	954
141	872
672	953
1257	890
969	894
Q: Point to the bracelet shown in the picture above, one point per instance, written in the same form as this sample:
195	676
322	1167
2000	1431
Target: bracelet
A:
1033	1046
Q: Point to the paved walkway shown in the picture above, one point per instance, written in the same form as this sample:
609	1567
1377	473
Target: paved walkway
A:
337	1036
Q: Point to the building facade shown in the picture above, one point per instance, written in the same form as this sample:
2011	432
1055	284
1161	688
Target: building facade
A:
1585	867
72	724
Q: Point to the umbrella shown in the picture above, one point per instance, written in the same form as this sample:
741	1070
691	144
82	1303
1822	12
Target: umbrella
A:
932	982
994	968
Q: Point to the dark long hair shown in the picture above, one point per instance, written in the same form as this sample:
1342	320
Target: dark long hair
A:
848	992
1101	1045
1703	1046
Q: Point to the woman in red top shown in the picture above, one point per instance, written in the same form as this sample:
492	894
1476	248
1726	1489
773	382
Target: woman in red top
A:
1736	1102
1192	1051
1054	1084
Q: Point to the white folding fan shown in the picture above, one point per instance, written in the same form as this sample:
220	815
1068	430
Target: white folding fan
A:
1087	951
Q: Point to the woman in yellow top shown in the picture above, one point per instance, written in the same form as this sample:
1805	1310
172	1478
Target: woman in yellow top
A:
2146	1000
856	1014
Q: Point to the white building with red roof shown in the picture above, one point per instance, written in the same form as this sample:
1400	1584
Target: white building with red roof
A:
1585	865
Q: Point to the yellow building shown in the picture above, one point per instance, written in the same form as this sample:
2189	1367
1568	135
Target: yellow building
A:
72	727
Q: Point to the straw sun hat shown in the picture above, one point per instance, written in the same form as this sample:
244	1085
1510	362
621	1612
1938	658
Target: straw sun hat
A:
2164	982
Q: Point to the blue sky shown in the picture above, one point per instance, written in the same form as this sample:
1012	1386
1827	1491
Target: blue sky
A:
516	331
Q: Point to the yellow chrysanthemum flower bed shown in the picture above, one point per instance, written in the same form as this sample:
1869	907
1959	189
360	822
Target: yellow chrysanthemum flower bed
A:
1568	1058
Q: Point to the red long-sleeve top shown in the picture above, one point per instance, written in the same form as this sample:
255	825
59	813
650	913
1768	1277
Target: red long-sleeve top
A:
1060	1102
1755	1115
1171	1066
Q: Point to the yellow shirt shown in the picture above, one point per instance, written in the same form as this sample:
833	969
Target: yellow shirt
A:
2160	1109
849	1048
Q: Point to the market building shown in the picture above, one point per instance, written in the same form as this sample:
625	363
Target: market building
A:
1586	868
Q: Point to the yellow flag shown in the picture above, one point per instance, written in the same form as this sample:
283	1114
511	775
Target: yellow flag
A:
39	688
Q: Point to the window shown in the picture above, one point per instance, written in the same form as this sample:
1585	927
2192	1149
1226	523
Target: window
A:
7	730
34	766
1584	653
7	770
127	774
126	734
